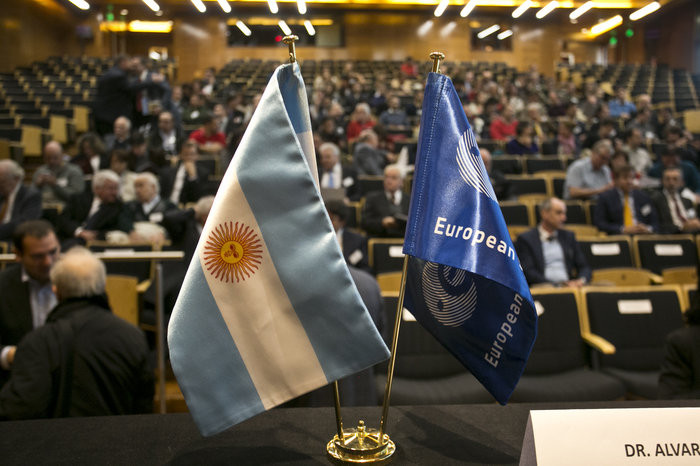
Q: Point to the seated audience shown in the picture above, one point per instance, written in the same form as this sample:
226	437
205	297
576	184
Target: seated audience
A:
18	202
394	118
360	120
167	137
121	137
499	182
671	157
333	175
353	245
369	159
57	179
590	176
620	106
624	209
84	361
523	143
119	164
91	215
185	181
550	254
149	209
210	139
680	369
386	212
677	213
91	154
26	287
503	126
639	157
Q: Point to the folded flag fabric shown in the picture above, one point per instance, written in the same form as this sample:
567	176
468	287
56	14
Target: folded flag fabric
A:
268	310
464	282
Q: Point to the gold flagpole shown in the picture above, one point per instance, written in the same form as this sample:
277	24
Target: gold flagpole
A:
362	445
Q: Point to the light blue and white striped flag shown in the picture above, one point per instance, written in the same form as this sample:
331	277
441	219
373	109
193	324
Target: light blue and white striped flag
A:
268	310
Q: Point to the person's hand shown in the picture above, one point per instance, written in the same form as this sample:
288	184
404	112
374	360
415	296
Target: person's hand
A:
691	225
190	168
88	235
578	283
388	222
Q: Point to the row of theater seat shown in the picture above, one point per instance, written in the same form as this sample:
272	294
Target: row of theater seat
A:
593	344
623	259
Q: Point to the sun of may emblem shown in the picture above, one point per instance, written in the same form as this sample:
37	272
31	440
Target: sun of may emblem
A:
233	252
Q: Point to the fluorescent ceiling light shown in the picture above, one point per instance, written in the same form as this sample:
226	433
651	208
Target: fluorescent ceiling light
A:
442	6
152	5
606	25
309	28
82	4
225	6
199	5
273	6
424	28
645	10
151	26
547	9
517	13
504	34
301	6
581	10
467	8
244	29
488	31
283	26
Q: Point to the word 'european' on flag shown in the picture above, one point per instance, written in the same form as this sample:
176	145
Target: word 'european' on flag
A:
464	282
268	310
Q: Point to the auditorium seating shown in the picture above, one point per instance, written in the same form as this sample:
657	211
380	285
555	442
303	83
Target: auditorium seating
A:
558	368
635	321
385	254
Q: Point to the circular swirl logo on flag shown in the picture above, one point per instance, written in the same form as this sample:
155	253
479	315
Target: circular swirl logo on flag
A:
233	252
449	294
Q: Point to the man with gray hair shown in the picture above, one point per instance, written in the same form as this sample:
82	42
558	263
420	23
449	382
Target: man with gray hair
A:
332	174
587	177
18	203
84	361
57	179
148	209
90	215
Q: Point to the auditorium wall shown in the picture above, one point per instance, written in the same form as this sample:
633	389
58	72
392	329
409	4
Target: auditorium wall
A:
31	30
201	42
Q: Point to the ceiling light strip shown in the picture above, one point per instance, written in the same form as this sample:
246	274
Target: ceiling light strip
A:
547	9
518	12
467	8
645	10
488	31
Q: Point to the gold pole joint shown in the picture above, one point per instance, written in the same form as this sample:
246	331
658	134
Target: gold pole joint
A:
289	40
437	57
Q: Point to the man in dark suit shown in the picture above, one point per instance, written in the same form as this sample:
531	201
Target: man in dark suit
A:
26	291
677	213
549	254
353	245
334	175
18	203
624	209
680	370
168	137
385	212
185	182
116	92
148	208
90	215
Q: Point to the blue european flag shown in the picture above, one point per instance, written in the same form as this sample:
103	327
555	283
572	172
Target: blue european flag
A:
464	282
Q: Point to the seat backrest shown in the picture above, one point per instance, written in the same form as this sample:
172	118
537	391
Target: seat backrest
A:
658	252
558	346
539	164
507	164
636	320
516	213
123	297
418	354
527	184
607	252
385	254
368	183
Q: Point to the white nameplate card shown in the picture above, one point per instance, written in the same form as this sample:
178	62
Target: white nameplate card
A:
649	436
668	249
396	251
603	249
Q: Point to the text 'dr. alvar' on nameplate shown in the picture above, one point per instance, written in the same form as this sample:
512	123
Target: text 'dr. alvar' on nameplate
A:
651	436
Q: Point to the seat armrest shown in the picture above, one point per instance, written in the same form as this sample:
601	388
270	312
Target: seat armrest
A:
598	343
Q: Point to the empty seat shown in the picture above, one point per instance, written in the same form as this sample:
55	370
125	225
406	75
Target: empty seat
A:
516	213
659	252
635	321
607	252
385	254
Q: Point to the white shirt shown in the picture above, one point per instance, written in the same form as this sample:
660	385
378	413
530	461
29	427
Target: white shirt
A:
332	179
179	183
397	197
150	205
168	141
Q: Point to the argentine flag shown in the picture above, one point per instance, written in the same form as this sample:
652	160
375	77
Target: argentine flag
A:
268	310
464	282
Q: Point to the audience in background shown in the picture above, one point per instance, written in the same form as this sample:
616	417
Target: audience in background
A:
18	202
56	178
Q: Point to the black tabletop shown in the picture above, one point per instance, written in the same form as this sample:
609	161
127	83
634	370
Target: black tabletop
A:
426	435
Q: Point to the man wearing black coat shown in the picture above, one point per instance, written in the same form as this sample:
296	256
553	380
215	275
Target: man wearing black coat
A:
18	203
91	215
549	254
186	181
385	212
677	213
84	361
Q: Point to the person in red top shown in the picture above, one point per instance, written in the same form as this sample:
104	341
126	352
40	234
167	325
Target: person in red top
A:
503	127
409	69
209	138
361	119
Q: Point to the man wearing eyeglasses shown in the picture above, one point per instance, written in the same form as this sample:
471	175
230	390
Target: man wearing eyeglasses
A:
27	297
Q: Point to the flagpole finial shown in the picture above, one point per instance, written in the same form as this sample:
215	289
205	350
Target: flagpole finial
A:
289	40
436	57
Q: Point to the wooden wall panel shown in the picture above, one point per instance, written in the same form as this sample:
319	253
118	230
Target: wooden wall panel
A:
30	31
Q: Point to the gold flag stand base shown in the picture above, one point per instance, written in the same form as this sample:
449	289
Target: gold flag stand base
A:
361	445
